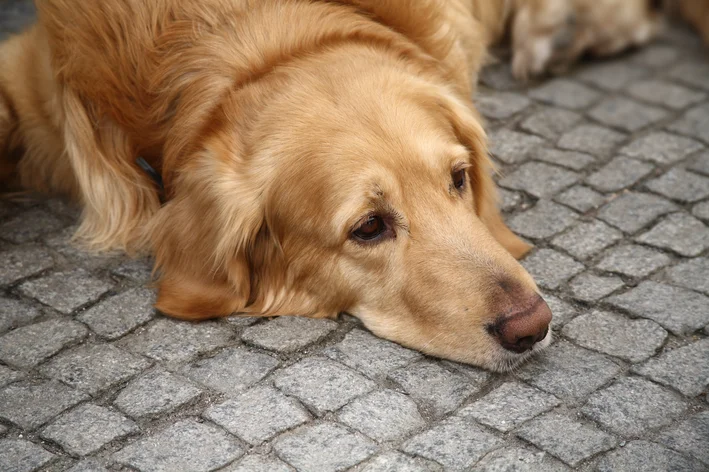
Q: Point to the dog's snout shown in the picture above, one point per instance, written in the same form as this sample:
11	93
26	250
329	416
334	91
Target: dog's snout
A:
519	330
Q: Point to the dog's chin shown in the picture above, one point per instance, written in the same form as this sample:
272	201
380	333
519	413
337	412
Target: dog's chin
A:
505	361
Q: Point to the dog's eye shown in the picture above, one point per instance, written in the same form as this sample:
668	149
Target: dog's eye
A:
373	227
459	179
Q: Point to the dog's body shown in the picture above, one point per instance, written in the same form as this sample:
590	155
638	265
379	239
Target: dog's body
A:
307	150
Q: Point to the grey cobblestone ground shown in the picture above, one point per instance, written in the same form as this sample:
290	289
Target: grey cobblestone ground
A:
606	170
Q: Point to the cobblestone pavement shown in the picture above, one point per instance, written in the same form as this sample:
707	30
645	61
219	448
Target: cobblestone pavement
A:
606	170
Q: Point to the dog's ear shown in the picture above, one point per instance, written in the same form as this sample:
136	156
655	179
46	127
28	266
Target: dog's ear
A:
467	125
202	240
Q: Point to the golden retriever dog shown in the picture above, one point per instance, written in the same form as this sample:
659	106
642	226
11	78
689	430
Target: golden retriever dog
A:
316	156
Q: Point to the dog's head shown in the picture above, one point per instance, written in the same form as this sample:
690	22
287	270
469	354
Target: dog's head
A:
351	190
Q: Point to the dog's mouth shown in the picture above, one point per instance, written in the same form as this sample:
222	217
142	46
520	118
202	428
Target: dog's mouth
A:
505	360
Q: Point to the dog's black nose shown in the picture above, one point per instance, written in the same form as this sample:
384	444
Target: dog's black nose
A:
521	329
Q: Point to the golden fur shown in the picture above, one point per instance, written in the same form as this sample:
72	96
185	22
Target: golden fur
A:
278	126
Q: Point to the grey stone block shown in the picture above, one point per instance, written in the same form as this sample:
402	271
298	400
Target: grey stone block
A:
66	291
136	270
21	262
437	390
633	260
632	211
7	375
700	164
185	445
613	76
14	313
242	321
509	405
544	220
371	355
587	238
288	333
93	368
691	72
88	428
231	371
566	438
679	232
18	455
73	254
383	415
581	198
539	179
569	372
393	461
616	335
550	268
258	414
676	309
631	406
667	94
177	341
562	312
591	139
619	173
29	226
684	369
500	106
508	200
589	287
657	56
456	443
28	346
512	147
693	274
29	404
550	123
661	147
88	465
323	447
155	393
626	114
690	437
257	463
322	384
701	210
498	76
117	315
565	93
571	159
678	184
517	459
648	457
694	123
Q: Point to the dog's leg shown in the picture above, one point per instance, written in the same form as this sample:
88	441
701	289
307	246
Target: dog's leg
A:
119	199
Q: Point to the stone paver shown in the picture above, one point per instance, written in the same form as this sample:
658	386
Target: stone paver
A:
690	437
31	403
88	428
616	335
93	368
258	414
319	447
632	406
18	455
155	393
288	333
566	438
65	291
678	310
186	445
605	169
456	443
322	384
232	370
383	415
509	405
116	316
679	368
678	232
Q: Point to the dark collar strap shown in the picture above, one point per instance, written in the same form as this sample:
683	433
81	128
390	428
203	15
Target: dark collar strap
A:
153	175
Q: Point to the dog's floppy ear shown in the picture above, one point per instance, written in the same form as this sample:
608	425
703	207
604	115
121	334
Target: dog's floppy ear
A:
468	128
202	238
